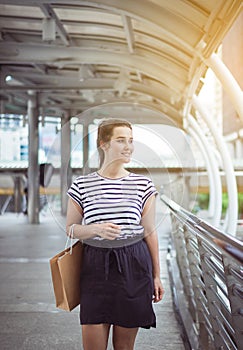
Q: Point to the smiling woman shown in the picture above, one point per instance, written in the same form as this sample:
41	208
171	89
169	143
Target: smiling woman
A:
120	147
107	134
113	212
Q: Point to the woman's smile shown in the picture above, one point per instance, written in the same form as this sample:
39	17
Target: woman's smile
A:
120	146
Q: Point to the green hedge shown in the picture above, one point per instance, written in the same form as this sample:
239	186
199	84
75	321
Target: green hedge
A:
203	200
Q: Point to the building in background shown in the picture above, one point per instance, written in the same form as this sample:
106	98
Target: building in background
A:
232	55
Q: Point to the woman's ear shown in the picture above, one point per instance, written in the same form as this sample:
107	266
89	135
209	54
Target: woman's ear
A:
104	145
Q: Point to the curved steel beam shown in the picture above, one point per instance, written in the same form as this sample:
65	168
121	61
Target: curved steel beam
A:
228	81
231	223
151	64
147	87
215	198
143	10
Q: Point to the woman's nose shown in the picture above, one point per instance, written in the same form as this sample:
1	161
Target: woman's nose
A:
127	145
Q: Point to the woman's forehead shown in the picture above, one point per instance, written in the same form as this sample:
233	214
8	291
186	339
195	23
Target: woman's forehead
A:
121	131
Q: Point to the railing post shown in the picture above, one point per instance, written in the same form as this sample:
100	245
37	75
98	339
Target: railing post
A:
233	279
185	264
65	170
198	299
191	263
17	194
179	242
207	281
33	168
210	295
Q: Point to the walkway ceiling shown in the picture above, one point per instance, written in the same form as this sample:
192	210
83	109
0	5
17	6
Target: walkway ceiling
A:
80	54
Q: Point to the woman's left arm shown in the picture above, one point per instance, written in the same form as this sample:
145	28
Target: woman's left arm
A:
151	238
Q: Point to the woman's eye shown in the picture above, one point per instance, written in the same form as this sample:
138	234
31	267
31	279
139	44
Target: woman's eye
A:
124	141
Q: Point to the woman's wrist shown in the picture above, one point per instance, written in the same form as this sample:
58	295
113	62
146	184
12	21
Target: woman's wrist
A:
156	271
79	231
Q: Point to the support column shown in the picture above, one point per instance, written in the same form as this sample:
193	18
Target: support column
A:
17	194
86	168
33	169
228	82
231	220
215	185
238	149
66	171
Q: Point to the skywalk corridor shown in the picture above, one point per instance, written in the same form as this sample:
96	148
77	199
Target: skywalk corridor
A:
174	70
28	316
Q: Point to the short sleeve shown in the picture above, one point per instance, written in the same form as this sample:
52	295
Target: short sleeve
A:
74	193
148	192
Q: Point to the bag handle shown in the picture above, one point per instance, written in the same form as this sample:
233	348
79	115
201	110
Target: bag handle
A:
69	239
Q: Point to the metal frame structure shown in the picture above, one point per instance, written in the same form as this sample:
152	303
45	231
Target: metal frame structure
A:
206	273
72	56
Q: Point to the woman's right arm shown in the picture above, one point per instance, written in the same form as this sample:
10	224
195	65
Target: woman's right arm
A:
106	230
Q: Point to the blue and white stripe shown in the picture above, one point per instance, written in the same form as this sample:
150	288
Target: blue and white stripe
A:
120	201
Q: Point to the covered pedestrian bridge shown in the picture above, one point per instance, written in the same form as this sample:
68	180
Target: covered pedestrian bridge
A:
75	62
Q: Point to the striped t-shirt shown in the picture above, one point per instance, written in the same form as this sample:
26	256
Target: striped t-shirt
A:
120	201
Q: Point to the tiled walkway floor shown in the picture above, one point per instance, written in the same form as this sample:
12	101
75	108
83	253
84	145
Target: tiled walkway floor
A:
29	319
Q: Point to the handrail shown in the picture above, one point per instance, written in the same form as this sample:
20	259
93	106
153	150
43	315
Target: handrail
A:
228	243
206	275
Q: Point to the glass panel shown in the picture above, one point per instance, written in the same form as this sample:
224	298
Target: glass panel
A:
50	141
76	145
13	139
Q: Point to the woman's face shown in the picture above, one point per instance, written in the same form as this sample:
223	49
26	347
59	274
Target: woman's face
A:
120	147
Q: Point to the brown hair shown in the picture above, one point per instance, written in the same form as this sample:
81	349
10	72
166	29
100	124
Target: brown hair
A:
105	132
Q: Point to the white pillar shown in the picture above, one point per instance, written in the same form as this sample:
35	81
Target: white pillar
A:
65	161
33	168
231	223
228	81
215	199
86	168
238	149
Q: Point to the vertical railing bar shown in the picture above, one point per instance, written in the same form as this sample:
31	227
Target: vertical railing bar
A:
223	330
209	282
209	268
224	318
203	297
196	275
235	301
206	315
218	297
183	264
216	279
236	273
194	252
205	230
213	249
214	267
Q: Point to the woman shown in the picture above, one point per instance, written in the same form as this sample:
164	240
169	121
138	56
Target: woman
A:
113	212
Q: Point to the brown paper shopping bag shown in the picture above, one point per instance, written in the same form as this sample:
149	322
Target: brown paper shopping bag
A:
66	271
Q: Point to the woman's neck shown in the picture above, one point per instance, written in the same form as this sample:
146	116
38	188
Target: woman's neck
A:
113	172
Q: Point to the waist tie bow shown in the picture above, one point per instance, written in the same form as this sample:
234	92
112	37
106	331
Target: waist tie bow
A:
107	262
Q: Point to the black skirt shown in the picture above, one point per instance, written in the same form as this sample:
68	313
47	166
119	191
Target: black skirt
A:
117	286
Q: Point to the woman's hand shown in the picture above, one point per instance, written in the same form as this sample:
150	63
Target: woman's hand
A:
107	230
158	290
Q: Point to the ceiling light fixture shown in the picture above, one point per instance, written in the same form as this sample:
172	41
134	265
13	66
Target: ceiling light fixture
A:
123	82
48	29
84	72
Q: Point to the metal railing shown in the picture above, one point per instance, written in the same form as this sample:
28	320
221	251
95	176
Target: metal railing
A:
206	272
